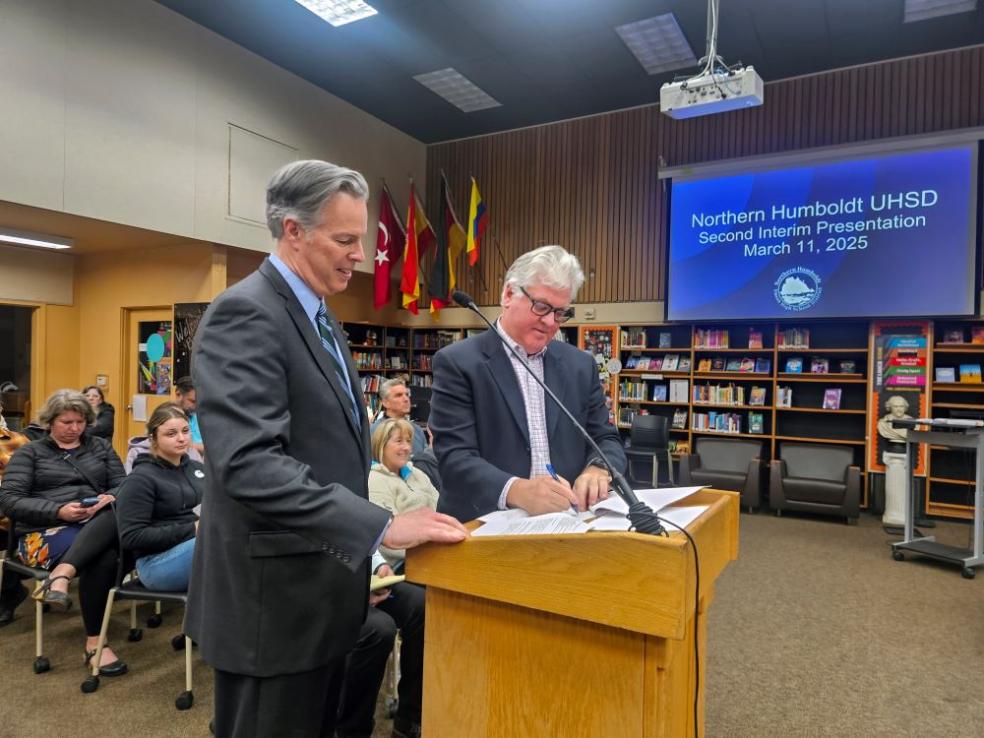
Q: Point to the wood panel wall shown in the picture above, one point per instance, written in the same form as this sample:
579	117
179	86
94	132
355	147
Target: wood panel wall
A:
591	184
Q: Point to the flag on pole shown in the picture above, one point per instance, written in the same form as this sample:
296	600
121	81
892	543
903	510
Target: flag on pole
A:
450	243
391	238
478	221
420	236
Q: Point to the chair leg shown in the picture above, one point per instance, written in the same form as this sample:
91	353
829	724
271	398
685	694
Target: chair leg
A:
41	662
669	467
91	684
655	472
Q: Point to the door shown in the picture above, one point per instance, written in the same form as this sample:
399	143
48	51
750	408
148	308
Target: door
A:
147	368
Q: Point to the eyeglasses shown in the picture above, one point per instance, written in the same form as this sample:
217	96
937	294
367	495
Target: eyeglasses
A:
543	309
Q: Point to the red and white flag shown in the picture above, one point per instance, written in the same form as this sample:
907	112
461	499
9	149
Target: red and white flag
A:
391	238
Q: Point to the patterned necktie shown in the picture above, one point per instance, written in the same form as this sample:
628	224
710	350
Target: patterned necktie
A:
328	341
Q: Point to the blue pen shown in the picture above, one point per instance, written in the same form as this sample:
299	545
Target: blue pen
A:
553	473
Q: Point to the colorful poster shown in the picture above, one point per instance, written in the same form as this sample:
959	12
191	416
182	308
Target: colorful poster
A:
154	358
899	355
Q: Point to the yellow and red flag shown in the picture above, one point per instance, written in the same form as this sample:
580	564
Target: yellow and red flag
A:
478	221
420	237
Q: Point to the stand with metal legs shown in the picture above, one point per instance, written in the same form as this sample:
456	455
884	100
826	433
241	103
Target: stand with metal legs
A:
969	438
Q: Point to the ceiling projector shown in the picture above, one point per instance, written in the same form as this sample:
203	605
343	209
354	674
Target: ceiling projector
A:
717	92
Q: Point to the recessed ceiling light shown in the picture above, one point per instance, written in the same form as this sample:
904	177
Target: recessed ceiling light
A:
658	43
918	10
457	90
27	238
339	12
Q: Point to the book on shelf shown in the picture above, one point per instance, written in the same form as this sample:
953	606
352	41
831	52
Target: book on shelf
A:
670	362
953	336
754	338
946	374
711	338
794	365
832	398
794	338
756	423
819	365
977	334
632	362
784	397
747	364
970	373
678	390
659	393
679	418
634	337
665	339
704	365
678	447
733	365
847	366
684	365
717	364
717	422
763	365
756	396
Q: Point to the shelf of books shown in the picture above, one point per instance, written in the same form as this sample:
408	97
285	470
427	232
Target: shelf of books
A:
656	364
601	341
957	392
367	342
821	385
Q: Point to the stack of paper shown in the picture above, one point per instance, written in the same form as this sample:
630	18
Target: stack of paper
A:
608	515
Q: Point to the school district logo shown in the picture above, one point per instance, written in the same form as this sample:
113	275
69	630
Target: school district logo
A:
798	288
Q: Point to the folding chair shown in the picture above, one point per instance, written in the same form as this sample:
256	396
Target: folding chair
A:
131	589
12	566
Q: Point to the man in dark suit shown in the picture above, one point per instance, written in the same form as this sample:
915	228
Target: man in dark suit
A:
279	585
496	435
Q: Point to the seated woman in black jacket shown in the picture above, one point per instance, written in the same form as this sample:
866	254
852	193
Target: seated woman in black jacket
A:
58	490
102	426
157	503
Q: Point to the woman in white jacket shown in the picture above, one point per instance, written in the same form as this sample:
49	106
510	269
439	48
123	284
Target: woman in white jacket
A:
394	483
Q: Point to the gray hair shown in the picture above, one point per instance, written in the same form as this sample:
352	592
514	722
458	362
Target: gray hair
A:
389	384
66	401
550	266
299	190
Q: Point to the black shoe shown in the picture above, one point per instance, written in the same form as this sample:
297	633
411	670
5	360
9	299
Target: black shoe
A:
112	669
10	603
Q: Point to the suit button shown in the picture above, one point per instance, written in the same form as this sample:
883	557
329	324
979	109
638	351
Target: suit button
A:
346	558
324	546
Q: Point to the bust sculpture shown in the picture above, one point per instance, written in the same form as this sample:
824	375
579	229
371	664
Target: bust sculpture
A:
897	407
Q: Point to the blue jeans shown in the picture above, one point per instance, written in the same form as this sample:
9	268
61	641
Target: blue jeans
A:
168	571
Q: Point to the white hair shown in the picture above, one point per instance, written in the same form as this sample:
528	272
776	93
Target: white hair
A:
550	266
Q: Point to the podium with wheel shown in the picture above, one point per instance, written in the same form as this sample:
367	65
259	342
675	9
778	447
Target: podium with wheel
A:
572	635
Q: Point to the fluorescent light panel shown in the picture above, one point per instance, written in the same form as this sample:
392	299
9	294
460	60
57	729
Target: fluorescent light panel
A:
27	238
457	90
339	12
919	10
658	43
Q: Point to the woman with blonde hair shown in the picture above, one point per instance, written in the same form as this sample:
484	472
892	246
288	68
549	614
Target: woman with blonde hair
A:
58	490
394	482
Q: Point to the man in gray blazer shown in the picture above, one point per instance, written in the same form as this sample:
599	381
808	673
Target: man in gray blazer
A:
279	585
497	435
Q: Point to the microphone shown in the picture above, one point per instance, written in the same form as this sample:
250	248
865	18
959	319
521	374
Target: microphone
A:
641	516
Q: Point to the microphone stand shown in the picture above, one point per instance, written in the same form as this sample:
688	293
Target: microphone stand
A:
641	516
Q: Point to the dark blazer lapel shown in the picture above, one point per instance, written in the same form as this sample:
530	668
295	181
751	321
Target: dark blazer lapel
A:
313	343
504	376
553	377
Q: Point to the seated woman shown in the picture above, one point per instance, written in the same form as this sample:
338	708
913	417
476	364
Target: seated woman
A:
157	503
105	413
394	483
58	490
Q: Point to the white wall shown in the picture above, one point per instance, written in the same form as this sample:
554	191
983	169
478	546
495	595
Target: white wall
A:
122	110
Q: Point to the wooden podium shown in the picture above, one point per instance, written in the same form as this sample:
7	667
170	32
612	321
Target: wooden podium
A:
570	635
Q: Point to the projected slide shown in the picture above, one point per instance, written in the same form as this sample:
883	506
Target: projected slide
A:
881	236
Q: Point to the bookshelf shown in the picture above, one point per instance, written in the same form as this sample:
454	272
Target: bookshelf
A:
601	341
950	472
368	344
821	385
